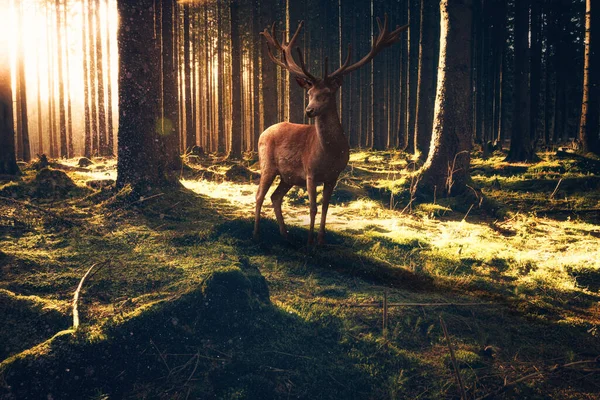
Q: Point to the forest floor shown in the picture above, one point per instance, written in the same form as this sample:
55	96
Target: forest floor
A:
182	303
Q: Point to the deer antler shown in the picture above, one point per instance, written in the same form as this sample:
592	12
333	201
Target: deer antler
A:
383	40
288	62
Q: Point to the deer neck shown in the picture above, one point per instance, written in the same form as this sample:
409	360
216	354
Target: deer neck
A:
329	128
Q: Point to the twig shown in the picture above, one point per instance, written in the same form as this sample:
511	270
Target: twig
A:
194	370
470	208
463	394
552	370
161	356
556	188
78	290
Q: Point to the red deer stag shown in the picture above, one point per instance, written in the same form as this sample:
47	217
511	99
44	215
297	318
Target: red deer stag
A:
307	155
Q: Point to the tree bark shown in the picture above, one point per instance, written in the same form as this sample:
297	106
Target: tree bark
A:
140	163
590	104
236	73
102	139
221	134
92	81
190	132
87	140
8	160
426	83
521	143
61	86
446	170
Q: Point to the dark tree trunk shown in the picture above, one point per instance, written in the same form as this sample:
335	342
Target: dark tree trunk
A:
68	94
221	134
170	138
521	142
140	162
426	83
87	140
8	160
296	93
536	67
92	80
110	151
103	142
236	74
61	86
256	28
590	105
269	74
190	132
446	170
25	148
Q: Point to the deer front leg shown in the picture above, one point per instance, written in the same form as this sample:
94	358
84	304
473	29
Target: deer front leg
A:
277	199
327	192
311	187
266	179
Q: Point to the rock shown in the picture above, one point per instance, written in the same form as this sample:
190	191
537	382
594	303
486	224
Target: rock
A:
84	162
99	183
51	183
241	174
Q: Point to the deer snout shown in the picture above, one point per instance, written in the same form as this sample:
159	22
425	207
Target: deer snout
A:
310	112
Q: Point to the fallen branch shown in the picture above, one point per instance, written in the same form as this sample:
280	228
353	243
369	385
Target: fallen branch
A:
78	290
556	189
550	371
463	394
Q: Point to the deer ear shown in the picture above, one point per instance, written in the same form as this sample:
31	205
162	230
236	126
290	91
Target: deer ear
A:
304	83
336	82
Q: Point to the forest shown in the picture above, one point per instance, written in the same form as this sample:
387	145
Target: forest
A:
164	165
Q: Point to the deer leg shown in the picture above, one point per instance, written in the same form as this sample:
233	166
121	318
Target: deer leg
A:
266	180
277	199
311	187
327	191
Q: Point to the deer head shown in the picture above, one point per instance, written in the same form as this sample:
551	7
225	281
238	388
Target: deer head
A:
321	91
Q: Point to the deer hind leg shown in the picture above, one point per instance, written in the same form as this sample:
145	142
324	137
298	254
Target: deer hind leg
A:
311	187
277	199
266	180
327	191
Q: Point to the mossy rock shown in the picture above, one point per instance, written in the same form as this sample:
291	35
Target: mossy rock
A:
241	174
100	183
51	183
84	162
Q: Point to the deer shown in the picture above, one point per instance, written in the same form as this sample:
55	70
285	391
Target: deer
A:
309	155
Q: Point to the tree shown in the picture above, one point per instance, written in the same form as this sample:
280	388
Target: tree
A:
190	132
102	139
446	170
22	118
236	91
86	88
220	84
8	160
141	164
61	86
590	105
521	142
426	82
170	135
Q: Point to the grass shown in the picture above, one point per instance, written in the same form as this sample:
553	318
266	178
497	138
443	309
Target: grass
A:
191	307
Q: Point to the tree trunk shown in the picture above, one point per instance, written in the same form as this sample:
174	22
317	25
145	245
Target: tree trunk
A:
236	74
521	142
296	93
536	67
102	139
269	74
109	112
590	105
446	170
87	151
68	94
140	162
61	87
221	134
92	81
190	132
24	125
8	160
426	83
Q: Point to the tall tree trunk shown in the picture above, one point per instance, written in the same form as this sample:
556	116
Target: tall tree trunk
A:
87	151
536	67
446	170
295	92
170	137
109	101
140	163
521	143
590	105
236	73
92	80
256	45
8	160
70	149
51	80
102	139
221	134
268	72
61	86
25	148
40	127
190	133
412	71
426	83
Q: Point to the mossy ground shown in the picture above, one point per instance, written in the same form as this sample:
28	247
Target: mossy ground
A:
181	310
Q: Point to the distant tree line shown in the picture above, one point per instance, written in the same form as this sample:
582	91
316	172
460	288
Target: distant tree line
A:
531	70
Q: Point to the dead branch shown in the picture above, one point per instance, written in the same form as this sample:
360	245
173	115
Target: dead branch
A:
463	394
78	290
